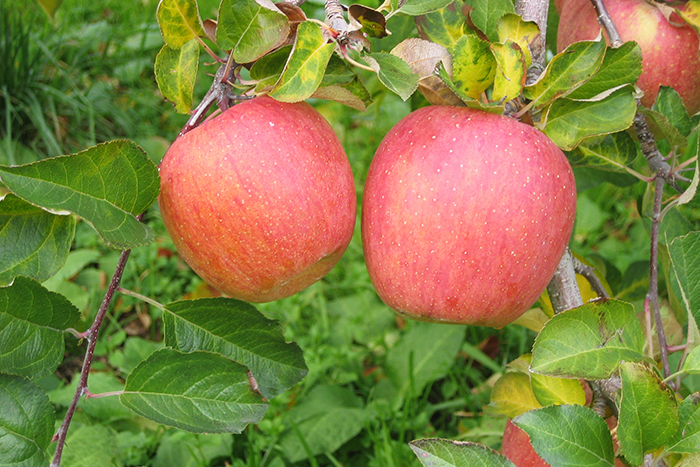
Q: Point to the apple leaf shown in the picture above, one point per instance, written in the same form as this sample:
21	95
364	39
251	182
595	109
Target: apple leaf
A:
510	72
422	56
444	75
512	27
473	66
568	436
421	7
202	392
685	257
566	72
621	66
32	322
176	71
353	94
607	332
615	152
179	22
664	128
33	242
239	331
648	412
557	391
568	122
669	103
690	13
425	353
436	452
687	439
486	14
250	28
91	445
444	26
512	395
323	420
106	185
27	422
691	365
271	64
372	22
394	73
306	65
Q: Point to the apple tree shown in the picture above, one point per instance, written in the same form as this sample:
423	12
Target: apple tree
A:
602	385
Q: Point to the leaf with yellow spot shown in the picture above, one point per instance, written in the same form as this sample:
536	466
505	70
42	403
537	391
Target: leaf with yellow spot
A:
176	71
550	390
510	73
306	65
444	26
473	66
512	27
512	395
691	13
179	22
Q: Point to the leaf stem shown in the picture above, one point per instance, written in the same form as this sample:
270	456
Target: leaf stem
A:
92	333
148	300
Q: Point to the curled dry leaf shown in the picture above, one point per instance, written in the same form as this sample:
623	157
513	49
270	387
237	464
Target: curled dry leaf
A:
369	21
423	57
210	29
295	15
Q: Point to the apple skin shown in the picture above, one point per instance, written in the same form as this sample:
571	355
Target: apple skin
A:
260	201
669	53
518	448
465	216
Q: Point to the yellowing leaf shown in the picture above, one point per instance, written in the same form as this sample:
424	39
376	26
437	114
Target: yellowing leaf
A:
179	22
512	27
176	71
473	66
512	395
511	71
557	391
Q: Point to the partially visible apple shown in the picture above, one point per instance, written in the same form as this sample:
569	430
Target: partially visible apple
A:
669	51
465	216
517	447
259	201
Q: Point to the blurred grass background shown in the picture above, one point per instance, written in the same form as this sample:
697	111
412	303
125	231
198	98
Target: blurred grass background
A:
87	77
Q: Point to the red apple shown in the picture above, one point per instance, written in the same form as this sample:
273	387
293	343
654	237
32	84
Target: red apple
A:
669	51
259	201
466	215
518	448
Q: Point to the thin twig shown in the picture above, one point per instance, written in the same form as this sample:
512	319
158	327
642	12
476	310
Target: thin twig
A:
589	273
607	23
92	333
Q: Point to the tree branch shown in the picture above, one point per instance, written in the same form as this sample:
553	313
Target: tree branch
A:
91	333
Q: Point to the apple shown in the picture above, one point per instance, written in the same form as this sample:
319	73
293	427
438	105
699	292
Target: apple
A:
518	449
465	216
669	51
260	201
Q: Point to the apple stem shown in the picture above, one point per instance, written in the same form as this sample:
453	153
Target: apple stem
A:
91	334
607	23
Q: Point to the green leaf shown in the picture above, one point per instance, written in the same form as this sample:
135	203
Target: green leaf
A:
306	65
486	14
560	391
621	66
473	66
607	332
250	28
669	103
510	71
90	446
353	94
663	128
444	26
648	412
271	64
421	7
569	436
436	452
106	185
201	392
33	242
32	322
687	439
26	423
325	419
569	121
179	22
424	354
685	255
76	261
181	449
566	72
394	73
238	331
691	365
176	71
614	152
50	7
